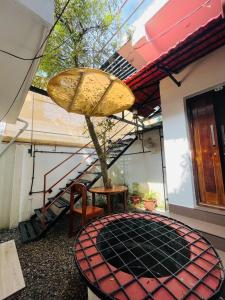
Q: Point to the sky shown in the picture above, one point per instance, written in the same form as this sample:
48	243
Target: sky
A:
146	10
130	6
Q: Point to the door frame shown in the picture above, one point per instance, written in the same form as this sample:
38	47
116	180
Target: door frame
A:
187	105
191	143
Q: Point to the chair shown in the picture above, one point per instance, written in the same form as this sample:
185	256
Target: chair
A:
85	211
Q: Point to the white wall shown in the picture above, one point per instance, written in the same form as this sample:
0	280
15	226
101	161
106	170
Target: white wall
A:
143	168
46	161
16	172
42	8
200	76
6	179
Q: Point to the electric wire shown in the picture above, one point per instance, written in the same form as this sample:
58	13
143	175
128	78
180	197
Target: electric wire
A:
36	56
119	29
57	47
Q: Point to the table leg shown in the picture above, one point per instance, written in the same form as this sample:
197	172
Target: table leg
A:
108	203
125	201
93	199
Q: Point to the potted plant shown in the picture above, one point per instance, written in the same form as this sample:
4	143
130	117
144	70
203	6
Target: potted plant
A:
135	196
150	201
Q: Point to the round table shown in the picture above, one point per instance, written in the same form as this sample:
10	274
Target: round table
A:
117	189
140	256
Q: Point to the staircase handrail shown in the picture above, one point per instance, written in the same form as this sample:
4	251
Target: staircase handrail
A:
46	174
83	160
85	146
44	208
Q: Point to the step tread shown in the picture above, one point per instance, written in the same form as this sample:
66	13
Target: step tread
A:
128	140
95	165
37	227
118	145
27	231
81	180
61	203
49	216
115	151
66	188
23	232
90	172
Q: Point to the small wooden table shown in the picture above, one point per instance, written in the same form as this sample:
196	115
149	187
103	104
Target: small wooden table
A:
117	189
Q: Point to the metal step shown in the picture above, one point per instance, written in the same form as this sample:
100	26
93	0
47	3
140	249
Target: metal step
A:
84	181
65	188
128	140
117	145
134	132
95	165
80	180
48	217
90	172
114	151
60	202
29	230
113	155
38	227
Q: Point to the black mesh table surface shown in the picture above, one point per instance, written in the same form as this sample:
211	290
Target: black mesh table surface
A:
141	256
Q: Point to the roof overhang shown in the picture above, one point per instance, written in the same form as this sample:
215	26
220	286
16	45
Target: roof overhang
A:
203	36
23	26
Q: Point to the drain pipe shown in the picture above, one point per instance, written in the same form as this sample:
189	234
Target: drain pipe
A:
19	133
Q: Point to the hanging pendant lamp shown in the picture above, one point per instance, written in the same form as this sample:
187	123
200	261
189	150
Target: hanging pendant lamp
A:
90	92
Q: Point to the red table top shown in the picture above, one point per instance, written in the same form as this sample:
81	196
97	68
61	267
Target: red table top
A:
115	189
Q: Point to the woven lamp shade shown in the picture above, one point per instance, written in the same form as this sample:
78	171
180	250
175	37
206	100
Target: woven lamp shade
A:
90	92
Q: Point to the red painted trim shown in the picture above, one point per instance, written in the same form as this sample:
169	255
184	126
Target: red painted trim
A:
223	7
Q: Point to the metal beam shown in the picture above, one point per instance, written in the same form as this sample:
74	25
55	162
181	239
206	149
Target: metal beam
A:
124	120
169	73
38	91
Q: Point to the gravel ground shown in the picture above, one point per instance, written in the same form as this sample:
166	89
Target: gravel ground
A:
48	265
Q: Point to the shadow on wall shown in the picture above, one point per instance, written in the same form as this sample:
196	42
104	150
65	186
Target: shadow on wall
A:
180	180
144	189
117	173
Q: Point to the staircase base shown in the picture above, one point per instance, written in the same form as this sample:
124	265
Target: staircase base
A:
30	231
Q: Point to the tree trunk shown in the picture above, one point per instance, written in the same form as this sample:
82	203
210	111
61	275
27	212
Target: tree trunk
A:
100	153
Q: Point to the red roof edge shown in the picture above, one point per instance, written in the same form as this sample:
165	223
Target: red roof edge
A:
219	12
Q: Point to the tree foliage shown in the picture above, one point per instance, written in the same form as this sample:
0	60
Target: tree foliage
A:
83	30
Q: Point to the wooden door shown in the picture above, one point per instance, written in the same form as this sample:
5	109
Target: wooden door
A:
206	150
